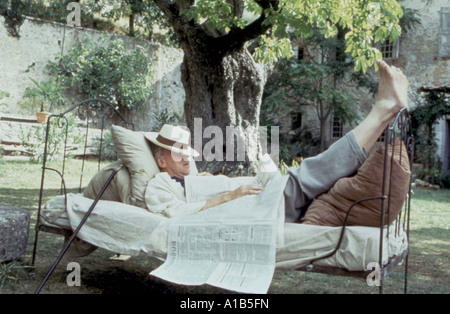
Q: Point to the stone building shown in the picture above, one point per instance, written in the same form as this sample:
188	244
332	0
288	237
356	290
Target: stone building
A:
423	54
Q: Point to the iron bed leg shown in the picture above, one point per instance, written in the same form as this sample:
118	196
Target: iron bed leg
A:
33	259
406	275
77	230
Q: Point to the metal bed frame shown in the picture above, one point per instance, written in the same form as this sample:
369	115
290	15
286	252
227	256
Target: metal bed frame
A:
97	113
400	127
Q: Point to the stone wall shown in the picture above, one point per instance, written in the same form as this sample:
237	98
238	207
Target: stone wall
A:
418	56
420	61
42	41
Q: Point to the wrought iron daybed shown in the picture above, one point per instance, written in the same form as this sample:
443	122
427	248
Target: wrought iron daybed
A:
98	114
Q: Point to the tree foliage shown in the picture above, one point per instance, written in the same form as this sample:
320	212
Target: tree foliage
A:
319	81
270	22
50	10
315	82
142	16
108	71
365	22
225	41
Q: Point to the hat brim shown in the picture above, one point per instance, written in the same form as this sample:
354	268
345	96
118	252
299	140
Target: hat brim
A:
190	152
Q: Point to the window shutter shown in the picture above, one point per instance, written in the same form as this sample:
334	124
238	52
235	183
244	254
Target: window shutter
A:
444	33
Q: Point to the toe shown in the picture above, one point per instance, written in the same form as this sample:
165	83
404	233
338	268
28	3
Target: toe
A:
381	63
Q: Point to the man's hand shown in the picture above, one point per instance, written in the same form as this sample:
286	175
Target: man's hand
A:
251	189
244	190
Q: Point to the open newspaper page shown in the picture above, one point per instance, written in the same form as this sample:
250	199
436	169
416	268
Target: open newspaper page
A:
231	246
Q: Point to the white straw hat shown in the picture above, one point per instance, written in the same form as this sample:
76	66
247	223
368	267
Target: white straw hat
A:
173	138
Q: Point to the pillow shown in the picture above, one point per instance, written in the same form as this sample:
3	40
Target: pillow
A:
133	149
330	208
119	188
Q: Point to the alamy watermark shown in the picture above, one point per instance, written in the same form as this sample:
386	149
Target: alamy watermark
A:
232	145
74	17
74	277
374	278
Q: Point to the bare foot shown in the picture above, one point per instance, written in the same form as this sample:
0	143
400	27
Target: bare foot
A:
392	93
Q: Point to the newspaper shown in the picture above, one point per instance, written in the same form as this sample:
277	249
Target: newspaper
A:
231	246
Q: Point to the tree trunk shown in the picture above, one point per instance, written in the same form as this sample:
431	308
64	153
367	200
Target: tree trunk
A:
131	25
223	84
322	134
224	93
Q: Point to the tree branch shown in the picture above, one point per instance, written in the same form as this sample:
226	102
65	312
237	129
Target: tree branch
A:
170	9
237	37
182	27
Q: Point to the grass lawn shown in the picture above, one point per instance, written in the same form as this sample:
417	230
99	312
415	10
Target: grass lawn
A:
19	187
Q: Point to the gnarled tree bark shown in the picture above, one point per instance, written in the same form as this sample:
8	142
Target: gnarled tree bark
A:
222	82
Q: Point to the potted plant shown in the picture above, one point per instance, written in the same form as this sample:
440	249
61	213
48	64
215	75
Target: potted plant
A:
44	93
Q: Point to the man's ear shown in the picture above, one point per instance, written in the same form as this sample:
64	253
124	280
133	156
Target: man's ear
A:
161	161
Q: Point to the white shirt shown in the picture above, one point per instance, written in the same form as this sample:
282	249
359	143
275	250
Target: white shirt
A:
165	196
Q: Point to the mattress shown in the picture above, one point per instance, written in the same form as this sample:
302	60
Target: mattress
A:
131	230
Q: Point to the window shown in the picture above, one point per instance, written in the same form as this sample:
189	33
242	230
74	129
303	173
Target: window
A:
336	128
444	33
300	53
296	120
388	49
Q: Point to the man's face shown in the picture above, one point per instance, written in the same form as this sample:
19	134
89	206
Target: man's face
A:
174	164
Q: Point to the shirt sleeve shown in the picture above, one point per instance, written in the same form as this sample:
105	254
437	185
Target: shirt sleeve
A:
162	201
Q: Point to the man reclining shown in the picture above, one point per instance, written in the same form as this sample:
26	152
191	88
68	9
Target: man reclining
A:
316	175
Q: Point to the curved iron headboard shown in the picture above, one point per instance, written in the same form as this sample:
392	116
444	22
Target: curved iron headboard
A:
96	114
